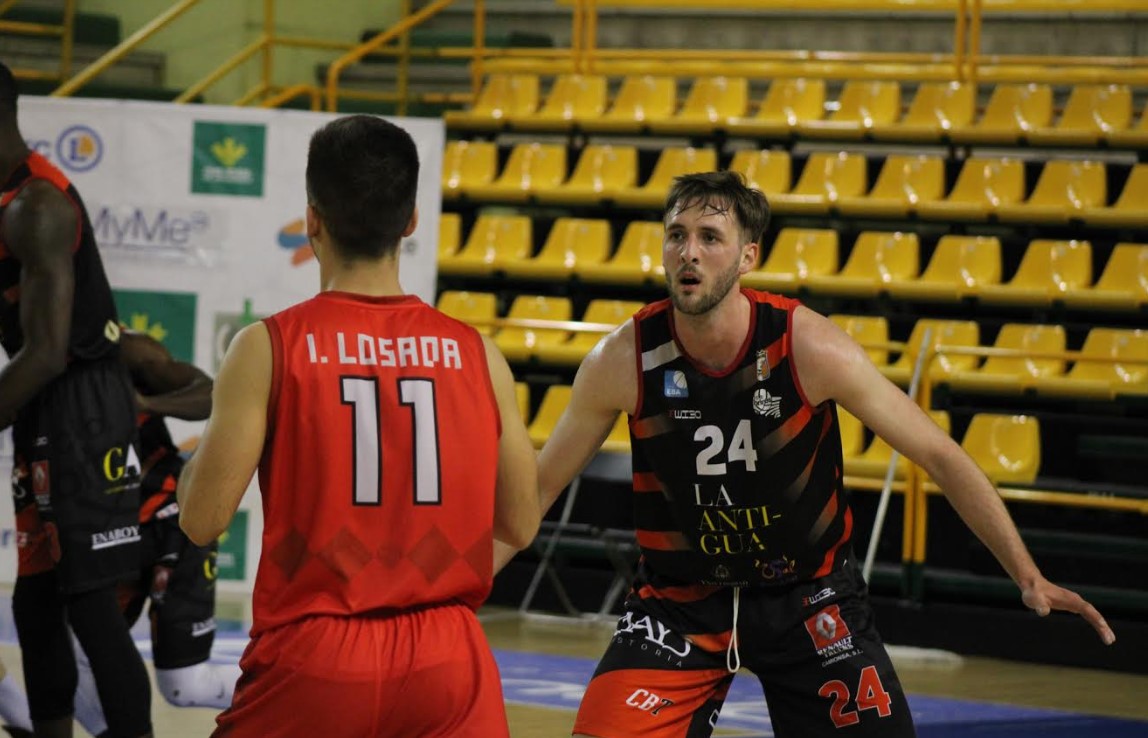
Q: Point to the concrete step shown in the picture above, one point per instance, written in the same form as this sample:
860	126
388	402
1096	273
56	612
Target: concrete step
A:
139	68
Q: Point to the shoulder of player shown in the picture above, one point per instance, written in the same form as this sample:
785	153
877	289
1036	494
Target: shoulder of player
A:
39	210
611	367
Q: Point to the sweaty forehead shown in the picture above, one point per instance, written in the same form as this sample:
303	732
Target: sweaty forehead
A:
698	213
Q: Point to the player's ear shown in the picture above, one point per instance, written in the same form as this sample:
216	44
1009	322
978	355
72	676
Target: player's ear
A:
413	224
314	222
748	257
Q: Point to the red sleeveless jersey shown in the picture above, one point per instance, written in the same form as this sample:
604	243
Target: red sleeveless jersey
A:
379	468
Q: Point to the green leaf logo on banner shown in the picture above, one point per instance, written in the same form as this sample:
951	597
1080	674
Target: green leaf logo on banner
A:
168	317
227	159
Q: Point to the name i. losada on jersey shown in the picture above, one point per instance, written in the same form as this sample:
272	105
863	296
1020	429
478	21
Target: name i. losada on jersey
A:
360	349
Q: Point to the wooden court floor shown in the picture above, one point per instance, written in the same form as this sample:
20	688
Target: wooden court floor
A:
982	679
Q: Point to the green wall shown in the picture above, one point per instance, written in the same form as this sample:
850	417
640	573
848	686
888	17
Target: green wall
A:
213	30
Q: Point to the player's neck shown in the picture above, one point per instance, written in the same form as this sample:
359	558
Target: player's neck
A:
715	337
374	279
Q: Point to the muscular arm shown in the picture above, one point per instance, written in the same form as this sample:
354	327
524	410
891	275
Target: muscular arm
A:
606	384
40	228
213	482
516	512
164	385
830	365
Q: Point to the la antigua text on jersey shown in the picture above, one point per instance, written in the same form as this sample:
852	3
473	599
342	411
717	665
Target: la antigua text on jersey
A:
360	349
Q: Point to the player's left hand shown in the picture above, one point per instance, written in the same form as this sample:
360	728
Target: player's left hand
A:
1043	597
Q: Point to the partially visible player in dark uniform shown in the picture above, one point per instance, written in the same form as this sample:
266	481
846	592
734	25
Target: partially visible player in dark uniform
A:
177	576
69	400
740	510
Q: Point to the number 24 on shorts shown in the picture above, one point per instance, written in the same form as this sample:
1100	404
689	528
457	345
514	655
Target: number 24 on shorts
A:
871	695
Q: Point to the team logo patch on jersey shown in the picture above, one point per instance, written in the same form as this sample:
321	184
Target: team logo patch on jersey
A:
41	479
675	384
762	365
826	628
766	404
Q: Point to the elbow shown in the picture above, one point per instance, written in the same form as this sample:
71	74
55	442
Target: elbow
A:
519	533
50	363
200	532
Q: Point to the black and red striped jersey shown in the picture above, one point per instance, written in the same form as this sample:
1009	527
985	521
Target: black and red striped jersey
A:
95	328
737	478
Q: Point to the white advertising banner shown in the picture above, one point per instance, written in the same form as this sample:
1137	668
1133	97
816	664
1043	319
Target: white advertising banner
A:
198	212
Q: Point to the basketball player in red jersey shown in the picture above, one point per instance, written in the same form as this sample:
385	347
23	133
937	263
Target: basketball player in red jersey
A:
68	398
740	511
390	454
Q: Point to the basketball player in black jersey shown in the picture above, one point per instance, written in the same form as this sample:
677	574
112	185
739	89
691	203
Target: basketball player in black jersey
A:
740	511
69	400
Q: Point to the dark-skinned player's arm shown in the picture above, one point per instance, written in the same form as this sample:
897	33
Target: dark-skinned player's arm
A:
164	385
516	512
214	480
604	385
41	228
831	365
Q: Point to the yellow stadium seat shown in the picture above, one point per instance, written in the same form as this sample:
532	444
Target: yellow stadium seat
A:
572	97
1131	137
862	105
944	333
874	460
1106	379
852	434
449	235
960	266
1091	114
494	241
983	186
868	331
553	404
640	101
532	168
467	164
1065	189
796	255
903	184
672	163
937	109
1005	447
475	308
609	312
1015	374
1123	285
502	97
637	261
1048	271
522	397
570	241
787	103
826	178
1131	209
521	344
1013	110
877	259
768	171
710	103
600	173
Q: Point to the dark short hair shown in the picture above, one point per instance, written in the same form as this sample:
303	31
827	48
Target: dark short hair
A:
722	191
362	176
9	90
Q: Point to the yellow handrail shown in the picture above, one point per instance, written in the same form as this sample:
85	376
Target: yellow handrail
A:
128	44
294	91
367	47
225	68
65	31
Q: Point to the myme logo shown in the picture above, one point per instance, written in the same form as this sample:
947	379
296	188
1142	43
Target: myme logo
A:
152	228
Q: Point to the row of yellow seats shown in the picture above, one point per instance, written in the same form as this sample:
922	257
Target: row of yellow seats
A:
553	403
1113	361
906	186
560	346
1005	447
806	258
940	111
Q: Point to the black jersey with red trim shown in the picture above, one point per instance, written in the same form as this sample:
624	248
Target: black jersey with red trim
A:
737	478
95	328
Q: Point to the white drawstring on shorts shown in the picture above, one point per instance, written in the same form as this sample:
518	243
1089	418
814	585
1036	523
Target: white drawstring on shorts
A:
732	657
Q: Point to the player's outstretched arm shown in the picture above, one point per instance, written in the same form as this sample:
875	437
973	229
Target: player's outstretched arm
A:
213	482
41	229
831	365
516	513
165	386
604	385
